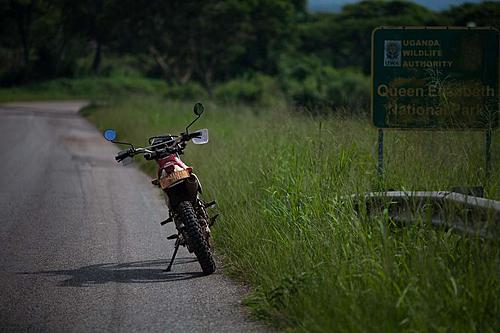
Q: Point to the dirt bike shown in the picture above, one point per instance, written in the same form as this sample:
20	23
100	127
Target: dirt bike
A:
181	188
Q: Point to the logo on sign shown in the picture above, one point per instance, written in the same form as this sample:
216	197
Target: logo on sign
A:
392	53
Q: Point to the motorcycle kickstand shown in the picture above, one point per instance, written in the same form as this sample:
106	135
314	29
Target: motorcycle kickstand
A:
177	243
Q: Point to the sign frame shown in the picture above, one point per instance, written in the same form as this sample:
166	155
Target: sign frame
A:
493	125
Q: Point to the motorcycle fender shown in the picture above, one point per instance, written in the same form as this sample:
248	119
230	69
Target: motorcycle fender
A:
199	184
185	190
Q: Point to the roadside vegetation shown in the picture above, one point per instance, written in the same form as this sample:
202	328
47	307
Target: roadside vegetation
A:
315	264
93	88
266	52
286	93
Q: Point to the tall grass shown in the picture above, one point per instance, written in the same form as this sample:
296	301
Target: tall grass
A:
317	265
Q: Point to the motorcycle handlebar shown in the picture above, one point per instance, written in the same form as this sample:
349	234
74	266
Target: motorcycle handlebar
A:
122	155
150	154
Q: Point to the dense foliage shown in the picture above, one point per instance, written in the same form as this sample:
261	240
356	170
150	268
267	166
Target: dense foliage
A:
313	59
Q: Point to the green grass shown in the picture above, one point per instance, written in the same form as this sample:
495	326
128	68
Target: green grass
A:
85	88
314	263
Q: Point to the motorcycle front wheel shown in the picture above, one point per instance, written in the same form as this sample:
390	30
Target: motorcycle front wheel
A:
194	237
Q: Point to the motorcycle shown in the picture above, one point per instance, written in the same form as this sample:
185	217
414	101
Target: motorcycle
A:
181	188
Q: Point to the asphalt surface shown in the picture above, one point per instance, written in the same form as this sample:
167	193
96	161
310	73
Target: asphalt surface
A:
81	248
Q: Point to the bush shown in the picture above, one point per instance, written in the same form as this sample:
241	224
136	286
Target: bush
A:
140	65
87	87
314	86
257	89
186	91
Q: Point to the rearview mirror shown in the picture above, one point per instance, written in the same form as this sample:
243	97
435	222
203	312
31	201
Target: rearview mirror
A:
202	137
109	134
198	109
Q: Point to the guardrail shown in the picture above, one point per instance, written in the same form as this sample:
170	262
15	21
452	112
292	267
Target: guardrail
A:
464	213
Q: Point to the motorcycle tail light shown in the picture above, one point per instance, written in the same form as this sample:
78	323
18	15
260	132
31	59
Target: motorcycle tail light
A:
169	169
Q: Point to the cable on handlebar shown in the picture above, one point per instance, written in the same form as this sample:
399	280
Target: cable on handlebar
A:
175	146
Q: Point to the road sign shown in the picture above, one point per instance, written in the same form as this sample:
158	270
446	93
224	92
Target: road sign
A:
435	78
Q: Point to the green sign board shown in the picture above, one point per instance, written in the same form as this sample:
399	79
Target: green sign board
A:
435	78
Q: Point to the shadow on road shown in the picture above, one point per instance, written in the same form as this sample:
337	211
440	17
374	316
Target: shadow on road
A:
132	272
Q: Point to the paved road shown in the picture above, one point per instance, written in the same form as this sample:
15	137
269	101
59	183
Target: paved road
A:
80	244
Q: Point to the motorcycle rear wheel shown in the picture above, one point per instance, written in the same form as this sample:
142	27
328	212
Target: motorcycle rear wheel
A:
195	238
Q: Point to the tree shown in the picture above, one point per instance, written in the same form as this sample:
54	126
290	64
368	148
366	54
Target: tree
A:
92	21
344	39
482	14
23	11
213	40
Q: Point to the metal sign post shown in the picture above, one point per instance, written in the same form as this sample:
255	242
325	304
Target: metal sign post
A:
380	163
488	154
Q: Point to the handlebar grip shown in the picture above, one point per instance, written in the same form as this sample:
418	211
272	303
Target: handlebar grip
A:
122	155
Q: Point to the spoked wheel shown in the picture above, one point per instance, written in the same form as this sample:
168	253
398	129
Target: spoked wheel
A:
194	237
